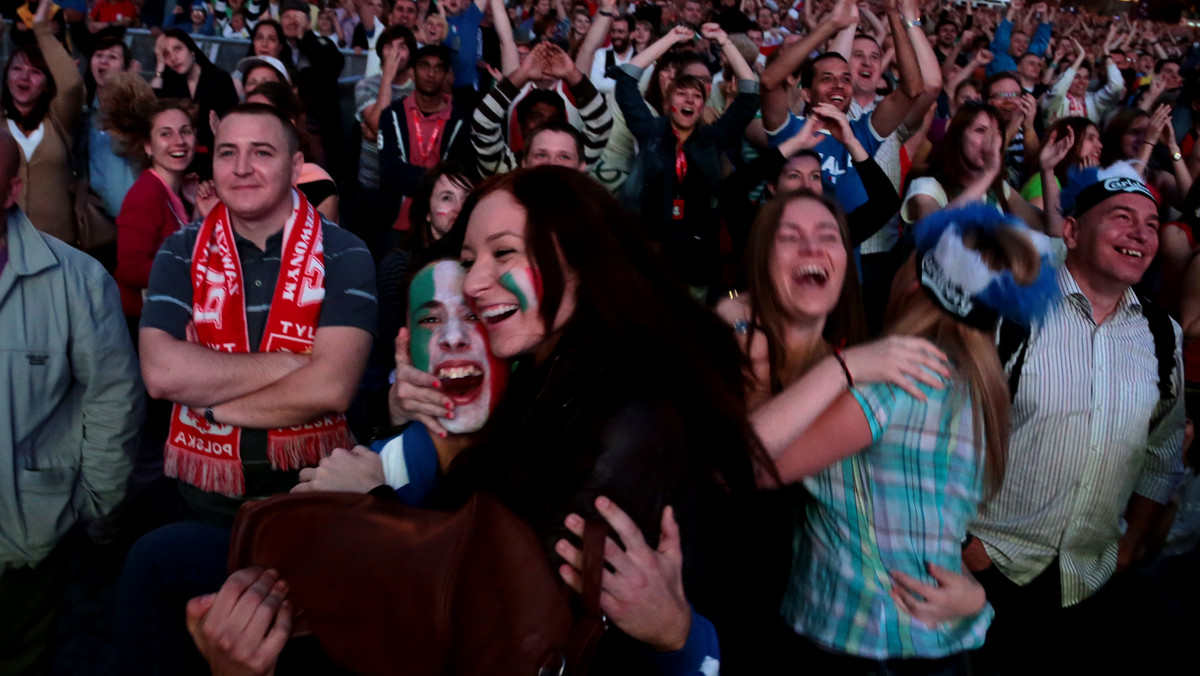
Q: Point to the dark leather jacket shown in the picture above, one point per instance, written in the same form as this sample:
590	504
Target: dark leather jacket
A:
581	425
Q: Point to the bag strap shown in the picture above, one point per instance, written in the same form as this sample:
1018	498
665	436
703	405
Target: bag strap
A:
1164	346
586	635
1013	340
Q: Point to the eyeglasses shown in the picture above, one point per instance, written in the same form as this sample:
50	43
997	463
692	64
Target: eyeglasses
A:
1005	95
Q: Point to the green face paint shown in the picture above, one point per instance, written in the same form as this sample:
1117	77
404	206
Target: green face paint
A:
420	292
521	283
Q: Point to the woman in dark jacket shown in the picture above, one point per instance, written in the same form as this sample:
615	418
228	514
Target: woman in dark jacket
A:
182	71
622	386
674	182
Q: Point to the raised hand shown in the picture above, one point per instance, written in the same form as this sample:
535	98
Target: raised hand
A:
1160	124
556	63
682	34
834	120
1157	86
391	62
845	14
993	153
983	57
1056	149
713	32
43	11
1028	108
206	198
531	67
810	135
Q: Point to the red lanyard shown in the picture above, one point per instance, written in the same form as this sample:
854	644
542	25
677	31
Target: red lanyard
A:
680	166
421	148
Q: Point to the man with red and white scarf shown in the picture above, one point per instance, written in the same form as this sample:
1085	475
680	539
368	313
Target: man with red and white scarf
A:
257	324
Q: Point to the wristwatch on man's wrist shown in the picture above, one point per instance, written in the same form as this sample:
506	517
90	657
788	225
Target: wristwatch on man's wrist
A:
208	416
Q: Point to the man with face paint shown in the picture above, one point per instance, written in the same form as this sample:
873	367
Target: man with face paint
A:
448	341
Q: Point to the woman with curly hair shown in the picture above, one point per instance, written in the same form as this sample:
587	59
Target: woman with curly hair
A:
161	134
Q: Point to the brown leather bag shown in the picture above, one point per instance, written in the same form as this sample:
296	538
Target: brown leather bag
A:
388	588
94	228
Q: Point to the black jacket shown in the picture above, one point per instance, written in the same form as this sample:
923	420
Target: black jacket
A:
581	425
397	175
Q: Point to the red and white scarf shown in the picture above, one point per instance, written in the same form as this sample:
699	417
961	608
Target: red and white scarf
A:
209	456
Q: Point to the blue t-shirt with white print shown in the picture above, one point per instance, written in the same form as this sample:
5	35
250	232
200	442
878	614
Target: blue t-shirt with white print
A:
838	173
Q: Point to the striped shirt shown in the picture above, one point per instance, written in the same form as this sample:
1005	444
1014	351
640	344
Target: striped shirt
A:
493	156
1089	430
903	503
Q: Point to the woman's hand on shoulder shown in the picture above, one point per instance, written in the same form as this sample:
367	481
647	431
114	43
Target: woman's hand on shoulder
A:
641	589
903	361
953	596
415	394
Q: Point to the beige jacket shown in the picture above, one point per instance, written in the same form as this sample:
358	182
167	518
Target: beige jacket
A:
47	175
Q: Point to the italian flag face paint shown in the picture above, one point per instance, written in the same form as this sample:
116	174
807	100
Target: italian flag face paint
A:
422	290
526	285
449	342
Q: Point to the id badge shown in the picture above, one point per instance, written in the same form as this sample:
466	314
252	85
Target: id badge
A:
677	210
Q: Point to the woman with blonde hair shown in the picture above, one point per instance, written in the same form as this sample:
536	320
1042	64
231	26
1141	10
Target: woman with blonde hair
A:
895	476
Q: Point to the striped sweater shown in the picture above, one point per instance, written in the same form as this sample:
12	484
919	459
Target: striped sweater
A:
494	156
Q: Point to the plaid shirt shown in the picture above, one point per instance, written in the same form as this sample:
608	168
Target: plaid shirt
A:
902	503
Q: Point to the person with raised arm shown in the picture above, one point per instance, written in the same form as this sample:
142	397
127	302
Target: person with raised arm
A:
678	168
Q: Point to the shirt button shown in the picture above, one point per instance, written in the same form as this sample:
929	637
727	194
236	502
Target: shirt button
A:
257	282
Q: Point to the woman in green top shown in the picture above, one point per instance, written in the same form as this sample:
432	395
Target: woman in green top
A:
1084	153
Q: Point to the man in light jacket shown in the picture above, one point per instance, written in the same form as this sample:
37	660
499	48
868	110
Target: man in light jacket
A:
71	405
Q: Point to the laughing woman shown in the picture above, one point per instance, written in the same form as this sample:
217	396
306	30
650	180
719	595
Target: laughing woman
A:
677	172
622	386
42	101
161	133
895	475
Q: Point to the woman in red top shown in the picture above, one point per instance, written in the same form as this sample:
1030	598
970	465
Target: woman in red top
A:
163	137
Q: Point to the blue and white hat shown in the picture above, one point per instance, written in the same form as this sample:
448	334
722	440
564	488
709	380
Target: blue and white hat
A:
1088	187
956	277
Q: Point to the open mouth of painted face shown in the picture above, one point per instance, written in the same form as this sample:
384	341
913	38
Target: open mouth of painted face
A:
462	380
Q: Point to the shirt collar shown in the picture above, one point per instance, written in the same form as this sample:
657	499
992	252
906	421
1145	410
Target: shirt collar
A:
1070	290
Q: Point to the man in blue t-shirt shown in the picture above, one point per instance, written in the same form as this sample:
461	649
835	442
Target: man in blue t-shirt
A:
827	79
464	17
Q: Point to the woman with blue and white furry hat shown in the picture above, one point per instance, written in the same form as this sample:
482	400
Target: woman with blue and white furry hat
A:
895	479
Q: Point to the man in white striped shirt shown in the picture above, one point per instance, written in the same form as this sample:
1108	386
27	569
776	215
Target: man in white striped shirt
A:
1095	450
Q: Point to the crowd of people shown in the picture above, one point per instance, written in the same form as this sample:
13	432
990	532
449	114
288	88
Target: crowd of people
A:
864	327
